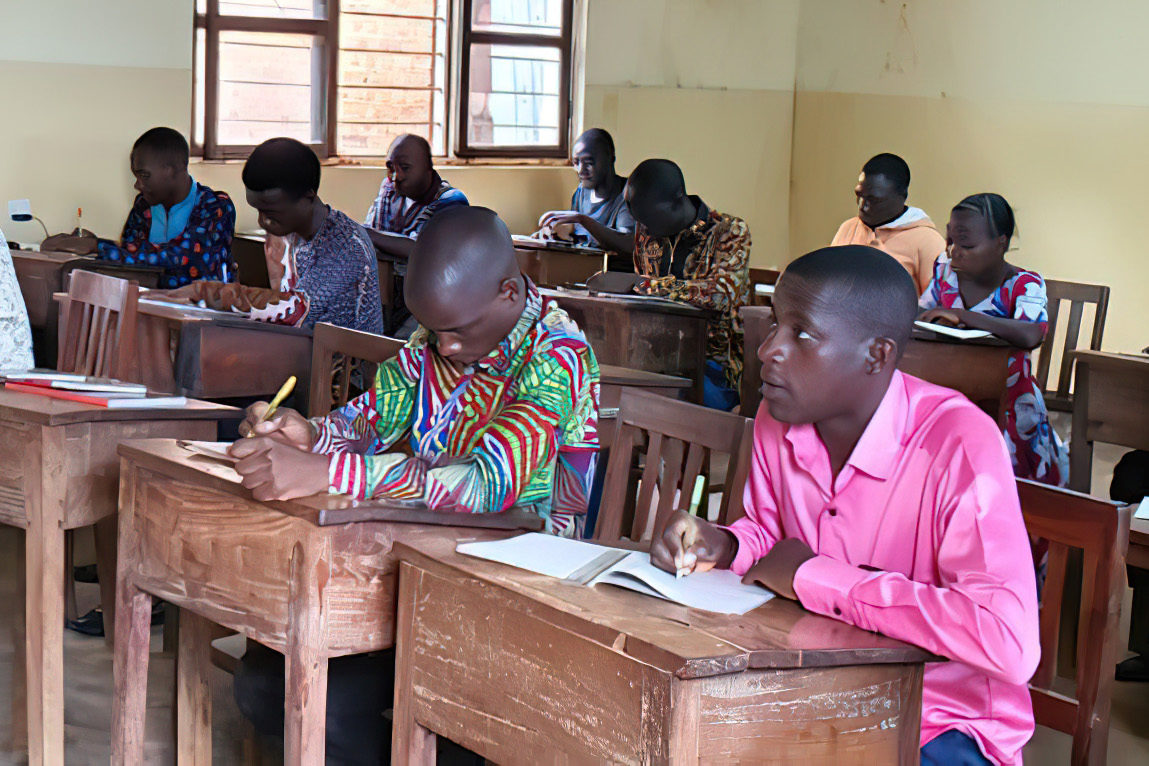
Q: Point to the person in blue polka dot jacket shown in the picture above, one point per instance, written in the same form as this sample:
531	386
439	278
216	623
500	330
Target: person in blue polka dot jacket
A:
181	226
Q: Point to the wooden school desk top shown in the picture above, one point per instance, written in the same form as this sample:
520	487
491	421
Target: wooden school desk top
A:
689	643
1138	555
190	533
522	668
41	410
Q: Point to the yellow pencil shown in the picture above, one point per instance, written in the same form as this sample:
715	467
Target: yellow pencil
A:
284	391
688	539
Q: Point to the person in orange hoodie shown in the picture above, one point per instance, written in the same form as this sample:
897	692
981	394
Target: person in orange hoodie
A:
885	221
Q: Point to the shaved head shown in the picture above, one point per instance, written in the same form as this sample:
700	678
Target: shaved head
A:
869	286
418	144
463	282
656	195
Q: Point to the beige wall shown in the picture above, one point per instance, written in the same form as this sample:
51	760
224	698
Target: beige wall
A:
708	84
1055	119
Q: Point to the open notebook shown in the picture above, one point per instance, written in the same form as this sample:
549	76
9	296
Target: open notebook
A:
953	332
590	564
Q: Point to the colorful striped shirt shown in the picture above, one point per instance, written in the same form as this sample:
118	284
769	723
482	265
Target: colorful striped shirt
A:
518	427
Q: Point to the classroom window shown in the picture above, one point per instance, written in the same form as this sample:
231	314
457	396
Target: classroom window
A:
515	77
347	76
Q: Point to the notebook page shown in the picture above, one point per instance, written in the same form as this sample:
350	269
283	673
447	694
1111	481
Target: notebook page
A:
714	591
538	552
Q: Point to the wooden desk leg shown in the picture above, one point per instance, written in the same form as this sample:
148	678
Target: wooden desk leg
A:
411	743
18	734
106	536
305	694
44	605
193	691
130	671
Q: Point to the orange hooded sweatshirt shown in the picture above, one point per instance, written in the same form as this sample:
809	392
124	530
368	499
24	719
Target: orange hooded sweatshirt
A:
911	238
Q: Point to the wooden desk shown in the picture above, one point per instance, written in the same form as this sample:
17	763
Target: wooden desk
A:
1110	404
288	575
551	265
976	368
59	470
608	675
612	380
216	355
658	336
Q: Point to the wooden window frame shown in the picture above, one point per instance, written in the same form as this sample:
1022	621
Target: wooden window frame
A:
212	22
564	42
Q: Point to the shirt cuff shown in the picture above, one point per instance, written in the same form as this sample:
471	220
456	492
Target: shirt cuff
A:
744	557
823	585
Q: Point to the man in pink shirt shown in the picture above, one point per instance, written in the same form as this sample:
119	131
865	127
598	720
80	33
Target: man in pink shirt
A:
884	501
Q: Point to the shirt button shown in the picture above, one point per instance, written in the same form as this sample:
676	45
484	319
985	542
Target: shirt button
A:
837	611
832	511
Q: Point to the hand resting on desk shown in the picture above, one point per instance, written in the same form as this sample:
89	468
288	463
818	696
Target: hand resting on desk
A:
948	317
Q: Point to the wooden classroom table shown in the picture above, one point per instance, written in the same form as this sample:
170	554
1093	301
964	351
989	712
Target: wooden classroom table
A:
1110	404
59	470
641	333
976	368
613	379
311	578
551	264
214	354
525	669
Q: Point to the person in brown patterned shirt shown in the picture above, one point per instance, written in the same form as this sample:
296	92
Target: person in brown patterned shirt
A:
687	252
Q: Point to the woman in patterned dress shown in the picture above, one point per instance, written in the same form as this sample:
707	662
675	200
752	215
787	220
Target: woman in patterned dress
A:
1010	302
15	335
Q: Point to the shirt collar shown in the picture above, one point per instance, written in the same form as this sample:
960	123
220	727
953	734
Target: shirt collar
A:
877	450
499	360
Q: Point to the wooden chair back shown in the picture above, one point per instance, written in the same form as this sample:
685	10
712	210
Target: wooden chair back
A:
756	324
98	326
336	354
1078	294
1100	530
680	439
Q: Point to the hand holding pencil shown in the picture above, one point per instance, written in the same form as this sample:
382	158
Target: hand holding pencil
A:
281	424
689	544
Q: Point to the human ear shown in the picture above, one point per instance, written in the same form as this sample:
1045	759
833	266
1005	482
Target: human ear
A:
881	354
510	288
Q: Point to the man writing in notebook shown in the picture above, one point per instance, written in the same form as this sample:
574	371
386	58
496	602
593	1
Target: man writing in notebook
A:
492	403
175	223
884	501
495	397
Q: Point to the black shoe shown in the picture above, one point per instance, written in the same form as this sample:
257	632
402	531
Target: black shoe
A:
86	573
1133	669
92	623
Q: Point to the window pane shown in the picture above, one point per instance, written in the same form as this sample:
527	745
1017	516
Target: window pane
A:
535	17
392	74
198	96
276	9
270	85
513	96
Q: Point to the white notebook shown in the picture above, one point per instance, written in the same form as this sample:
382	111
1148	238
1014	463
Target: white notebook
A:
589	564
953	332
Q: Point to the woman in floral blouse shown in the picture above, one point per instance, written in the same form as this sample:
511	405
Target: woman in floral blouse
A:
974	286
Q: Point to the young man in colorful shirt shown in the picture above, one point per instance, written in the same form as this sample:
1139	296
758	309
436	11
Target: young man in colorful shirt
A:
330	273
884	501
687	252
492	403
175	223
885	222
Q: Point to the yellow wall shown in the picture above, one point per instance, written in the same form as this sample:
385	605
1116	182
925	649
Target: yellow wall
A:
1055	119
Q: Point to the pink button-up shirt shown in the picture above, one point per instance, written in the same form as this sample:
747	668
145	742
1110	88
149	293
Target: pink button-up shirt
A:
927	498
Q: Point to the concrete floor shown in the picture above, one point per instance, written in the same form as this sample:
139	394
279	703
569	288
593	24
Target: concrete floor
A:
88	687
